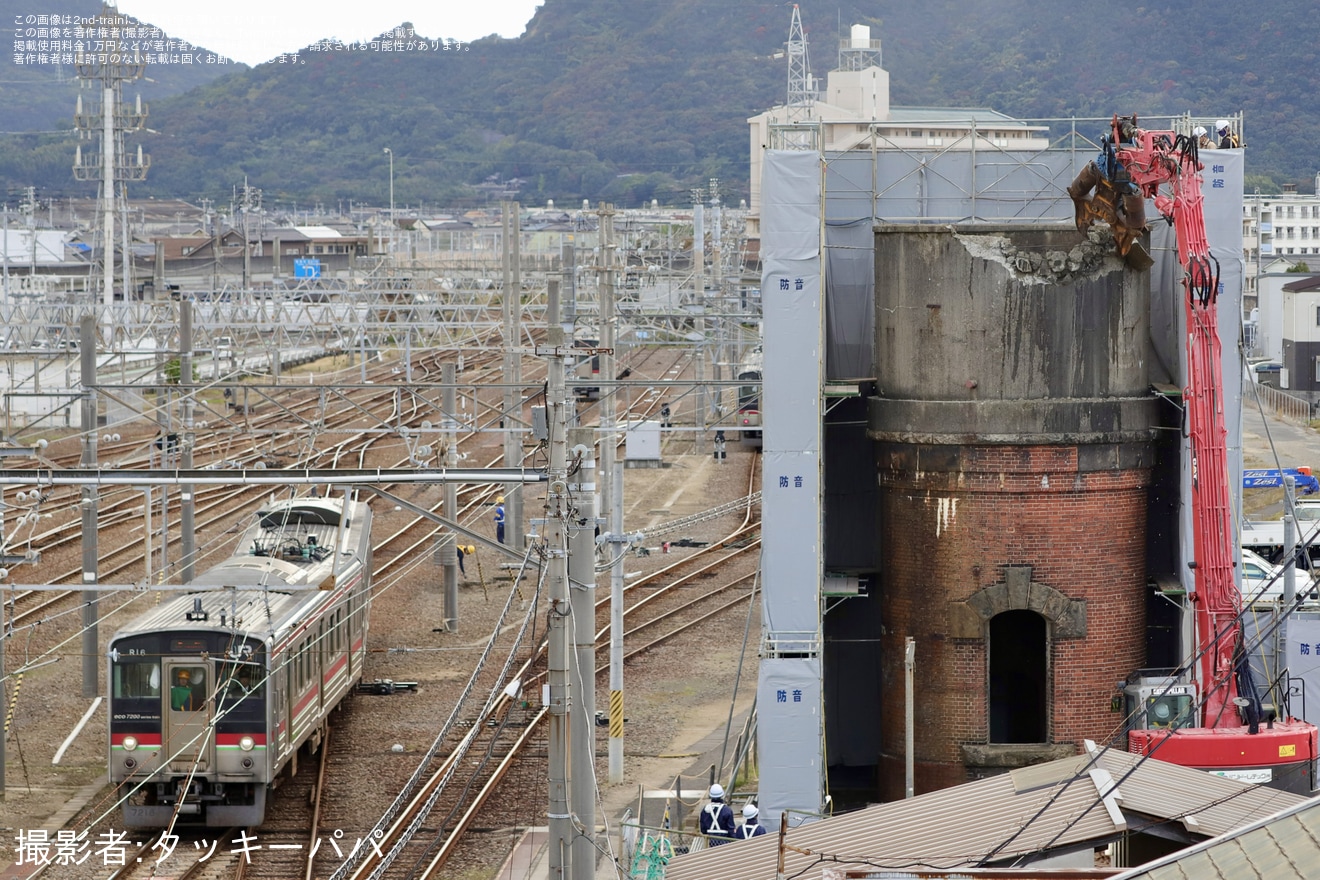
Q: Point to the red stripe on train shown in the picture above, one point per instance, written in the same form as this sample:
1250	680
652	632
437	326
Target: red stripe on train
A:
231	739
335	667
302	704
144	739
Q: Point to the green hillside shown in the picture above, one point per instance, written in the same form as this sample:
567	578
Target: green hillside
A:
630	101
38	97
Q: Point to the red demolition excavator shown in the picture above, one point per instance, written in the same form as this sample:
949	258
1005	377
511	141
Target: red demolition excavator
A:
1217	723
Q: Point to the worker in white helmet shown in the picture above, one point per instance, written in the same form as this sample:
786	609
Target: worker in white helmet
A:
717	823
750	827
1228	139
1203	139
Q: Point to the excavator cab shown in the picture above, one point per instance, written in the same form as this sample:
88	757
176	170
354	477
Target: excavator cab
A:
1159	703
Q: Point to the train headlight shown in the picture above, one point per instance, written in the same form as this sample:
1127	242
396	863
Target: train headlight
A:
246	743
130	743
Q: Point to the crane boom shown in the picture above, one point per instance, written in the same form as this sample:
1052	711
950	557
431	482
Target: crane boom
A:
1164	166
1153	159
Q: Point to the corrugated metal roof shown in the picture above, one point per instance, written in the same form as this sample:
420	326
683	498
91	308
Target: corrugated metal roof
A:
1284	845
1050	806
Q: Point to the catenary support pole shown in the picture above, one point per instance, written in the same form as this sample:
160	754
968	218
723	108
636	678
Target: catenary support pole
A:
512	302
449	552
612	481
1289	554
699	303
187	507
559	660
87	365
515	506
108	191
582	586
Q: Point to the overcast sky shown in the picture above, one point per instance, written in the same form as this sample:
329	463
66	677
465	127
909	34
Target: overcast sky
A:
255	31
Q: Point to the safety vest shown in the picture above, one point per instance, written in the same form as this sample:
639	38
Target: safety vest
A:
748	829
714	811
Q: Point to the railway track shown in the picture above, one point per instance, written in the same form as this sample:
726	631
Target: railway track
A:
430	827
501	733
125	560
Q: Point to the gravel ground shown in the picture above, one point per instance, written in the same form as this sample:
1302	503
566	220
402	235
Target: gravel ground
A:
674	697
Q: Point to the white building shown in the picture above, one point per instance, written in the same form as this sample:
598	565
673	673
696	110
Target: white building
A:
1300	310
854	113
1284	226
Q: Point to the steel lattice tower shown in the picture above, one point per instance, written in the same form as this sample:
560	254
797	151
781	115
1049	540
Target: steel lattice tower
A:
801	90
109	161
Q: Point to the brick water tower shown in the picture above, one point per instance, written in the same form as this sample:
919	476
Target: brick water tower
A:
1013	422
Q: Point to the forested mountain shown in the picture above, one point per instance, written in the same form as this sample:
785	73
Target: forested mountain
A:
37	90
628	101
38	94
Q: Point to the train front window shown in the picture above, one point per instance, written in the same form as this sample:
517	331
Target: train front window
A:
749	396
241	681
136	678
188	688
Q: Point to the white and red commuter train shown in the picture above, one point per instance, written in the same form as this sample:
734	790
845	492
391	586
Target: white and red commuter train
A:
213	691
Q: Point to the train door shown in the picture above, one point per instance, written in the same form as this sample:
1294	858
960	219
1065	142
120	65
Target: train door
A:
320	661
186	733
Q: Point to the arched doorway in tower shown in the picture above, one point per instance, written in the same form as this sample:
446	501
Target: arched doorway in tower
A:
1019	678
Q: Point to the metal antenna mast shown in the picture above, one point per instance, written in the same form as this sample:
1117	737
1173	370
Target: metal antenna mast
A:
801	93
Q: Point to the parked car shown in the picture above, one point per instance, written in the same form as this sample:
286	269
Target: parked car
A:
1267	373
1262	581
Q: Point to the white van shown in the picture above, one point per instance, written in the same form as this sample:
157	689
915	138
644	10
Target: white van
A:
1262	581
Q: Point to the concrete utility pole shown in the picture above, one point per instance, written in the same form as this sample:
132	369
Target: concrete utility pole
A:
390	153
187	506
449	553
699	297
582	586
568	298
1289	554
108	192
87	365
107	185
559	514
251	200
612	481
717	286
513	506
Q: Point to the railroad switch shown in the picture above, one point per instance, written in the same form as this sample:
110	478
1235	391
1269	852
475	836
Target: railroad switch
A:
385	686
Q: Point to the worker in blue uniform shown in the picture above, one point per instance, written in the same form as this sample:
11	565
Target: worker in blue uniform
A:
750	826
499	519
717	818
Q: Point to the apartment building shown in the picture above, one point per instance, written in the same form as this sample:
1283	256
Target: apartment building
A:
1278	230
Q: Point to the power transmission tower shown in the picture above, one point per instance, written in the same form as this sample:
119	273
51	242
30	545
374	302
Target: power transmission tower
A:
801	88
105	125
